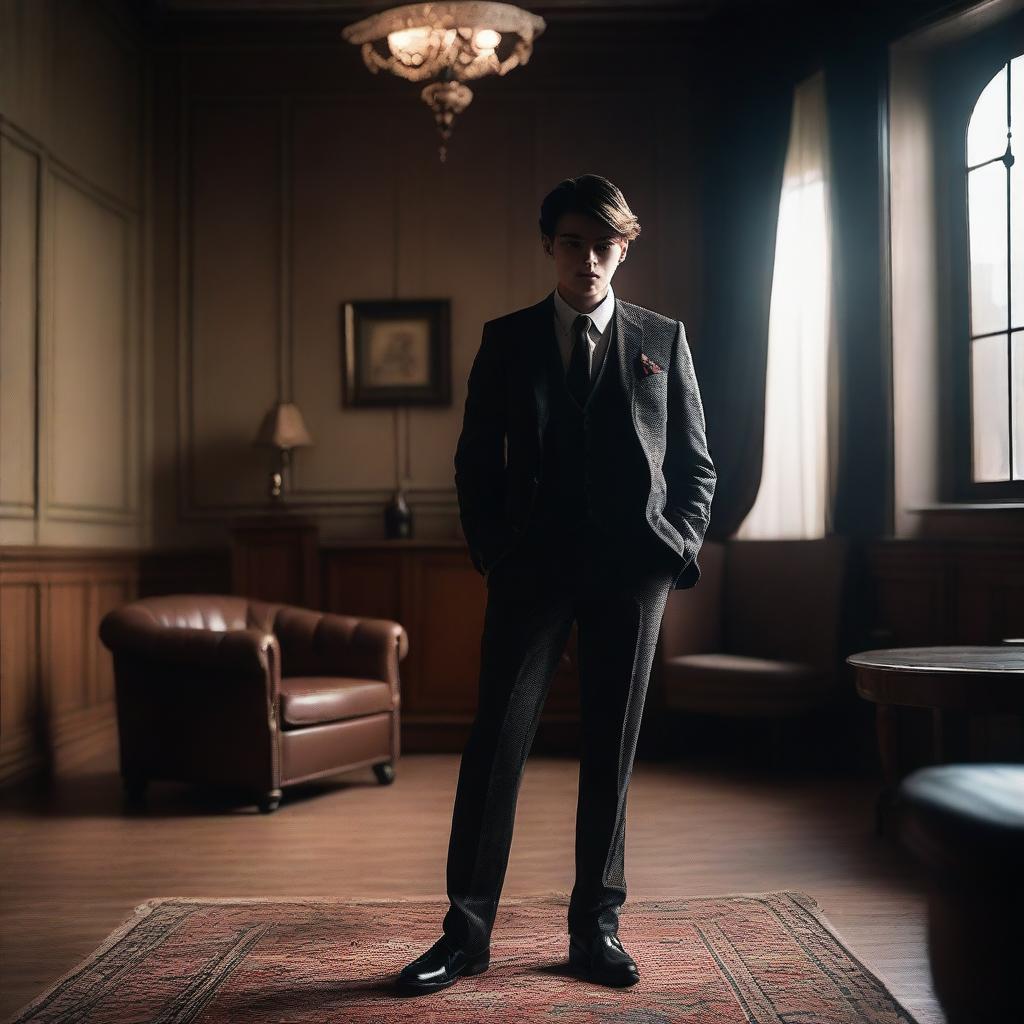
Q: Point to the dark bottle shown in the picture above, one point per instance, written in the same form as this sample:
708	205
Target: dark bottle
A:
398	517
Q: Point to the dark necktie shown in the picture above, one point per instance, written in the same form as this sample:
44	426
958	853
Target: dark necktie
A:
577	377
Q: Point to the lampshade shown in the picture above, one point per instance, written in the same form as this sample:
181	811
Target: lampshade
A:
283	427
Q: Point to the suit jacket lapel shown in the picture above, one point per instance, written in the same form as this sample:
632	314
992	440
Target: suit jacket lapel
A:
628	337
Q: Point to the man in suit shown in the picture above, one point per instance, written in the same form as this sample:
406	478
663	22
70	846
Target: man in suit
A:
595	514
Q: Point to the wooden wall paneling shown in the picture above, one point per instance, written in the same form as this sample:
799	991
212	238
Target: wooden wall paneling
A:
912	594
20	675
989	593
946	592
432	589
80	716
362	580
57	690
448	618
68	666
53	666
184	571
276	558
57	698
935	592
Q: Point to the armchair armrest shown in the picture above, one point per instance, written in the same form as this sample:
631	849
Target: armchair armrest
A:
328	643
251	651
195	702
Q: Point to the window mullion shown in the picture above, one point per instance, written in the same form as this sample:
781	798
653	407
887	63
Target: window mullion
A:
1009	270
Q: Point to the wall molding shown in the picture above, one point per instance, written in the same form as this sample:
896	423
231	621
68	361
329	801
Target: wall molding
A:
52	508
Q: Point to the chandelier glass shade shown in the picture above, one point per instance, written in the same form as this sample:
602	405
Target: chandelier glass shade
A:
452	43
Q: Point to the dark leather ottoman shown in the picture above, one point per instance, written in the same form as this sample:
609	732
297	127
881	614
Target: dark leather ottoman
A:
965	823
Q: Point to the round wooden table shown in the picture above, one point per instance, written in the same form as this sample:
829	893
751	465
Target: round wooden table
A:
952	682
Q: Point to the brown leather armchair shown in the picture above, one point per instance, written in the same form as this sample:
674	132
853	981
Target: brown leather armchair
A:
223	689
760	635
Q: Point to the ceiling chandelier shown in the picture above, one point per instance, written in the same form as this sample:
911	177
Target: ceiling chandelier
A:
451	42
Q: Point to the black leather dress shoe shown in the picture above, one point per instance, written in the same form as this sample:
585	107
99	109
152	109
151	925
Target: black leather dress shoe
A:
440	966
601	958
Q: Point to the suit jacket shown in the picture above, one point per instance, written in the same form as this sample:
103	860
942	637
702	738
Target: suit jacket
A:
648	467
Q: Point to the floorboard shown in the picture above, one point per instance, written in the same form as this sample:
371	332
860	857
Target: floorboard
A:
74	865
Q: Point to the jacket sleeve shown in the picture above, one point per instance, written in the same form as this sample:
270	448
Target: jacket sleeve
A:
480	455
689	472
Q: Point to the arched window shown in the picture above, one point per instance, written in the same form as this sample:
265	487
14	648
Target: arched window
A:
995	220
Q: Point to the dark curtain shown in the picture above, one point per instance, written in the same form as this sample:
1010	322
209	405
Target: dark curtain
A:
746	138
856	78
747	112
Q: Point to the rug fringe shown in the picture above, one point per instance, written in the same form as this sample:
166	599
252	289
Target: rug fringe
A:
549	896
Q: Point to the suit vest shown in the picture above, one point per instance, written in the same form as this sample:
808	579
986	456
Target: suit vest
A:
564	508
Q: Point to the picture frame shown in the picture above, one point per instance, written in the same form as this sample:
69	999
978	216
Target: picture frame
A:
396	352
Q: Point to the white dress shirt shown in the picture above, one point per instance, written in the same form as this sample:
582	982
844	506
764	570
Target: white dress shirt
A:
597	336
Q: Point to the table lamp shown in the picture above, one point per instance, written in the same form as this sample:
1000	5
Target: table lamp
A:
282	428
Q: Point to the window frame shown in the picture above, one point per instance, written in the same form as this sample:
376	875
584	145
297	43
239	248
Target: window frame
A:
958	78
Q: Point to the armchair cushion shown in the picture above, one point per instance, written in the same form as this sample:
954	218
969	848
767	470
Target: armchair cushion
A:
318	643
311	700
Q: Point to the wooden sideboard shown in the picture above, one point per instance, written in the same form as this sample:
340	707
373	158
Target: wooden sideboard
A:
276	558
431	587
55	675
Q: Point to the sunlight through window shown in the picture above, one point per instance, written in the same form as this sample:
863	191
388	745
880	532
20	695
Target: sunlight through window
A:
792	495
995	211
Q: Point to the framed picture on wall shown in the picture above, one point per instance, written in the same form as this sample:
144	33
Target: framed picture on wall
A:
396	352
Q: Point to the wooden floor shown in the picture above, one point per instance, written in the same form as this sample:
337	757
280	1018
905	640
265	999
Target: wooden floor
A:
73	865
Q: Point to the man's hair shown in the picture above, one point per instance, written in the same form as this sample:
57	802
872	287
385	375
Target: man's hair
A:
593	195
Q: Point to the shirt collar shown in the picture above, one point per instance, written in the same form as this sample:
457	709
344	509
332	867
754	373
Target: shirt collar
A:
600	315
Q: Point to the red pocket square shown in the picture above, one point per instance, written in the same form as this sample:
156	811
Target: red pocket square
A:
648	365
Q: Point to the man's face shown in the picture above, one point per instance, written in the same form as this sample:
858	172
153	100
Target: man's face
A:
586	257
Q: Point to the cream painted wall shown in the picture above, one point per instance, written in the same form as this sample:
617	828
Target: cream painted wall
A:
288	180
922	331
73	437
180	229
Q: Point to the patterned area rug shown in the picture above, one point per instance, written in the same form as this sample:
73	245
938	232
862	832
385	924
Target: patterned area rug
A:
754	958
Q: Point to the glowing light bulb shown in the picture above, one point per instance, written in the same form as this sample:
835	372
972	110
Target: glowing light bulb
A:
410	45
486	41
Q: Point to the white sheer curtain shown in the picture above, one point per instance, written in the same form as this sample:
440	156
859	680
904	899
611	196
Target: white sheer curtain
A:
791	501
